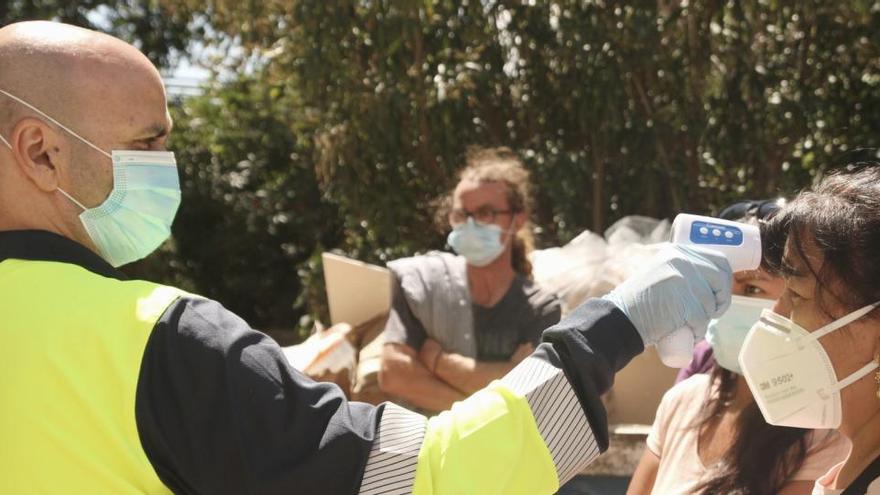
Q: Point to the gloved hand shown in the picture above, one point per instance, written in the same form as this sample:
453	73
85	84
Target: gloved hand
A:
683	287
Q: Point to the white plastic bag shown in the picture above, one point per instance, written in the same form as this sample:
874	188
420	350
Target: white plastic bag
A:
590	265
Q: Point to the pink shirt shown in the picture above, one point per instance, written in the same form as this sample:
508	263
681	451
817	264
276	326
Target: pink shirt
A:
822	484
674	440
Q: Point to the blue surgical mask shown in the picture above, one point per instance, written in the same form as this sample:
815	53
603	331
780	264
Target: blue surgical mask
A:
136	217
479	244
727	333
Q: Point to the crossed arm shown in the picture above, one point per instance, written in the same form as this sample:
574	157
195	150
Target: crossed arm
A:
433	379
403	375
468	374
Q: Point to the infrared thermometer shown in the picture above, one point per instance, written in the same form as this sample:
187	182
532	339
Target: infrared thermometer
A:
740	243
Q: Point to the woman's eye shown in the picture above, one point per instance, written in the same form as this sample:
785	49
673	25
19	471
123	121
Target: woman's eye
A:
754	290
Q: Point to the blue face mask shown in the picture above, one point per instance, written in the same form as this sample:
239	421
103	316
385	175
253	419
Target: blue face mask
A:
727	333
136	217
479	244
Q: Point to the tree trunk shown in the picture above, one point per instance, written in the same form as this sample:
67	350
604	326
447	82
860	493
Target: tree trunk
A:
598	199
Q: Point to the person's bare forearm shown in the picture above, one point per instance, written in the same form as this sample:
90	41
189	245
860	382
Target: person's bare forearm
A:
403	375
467	374
645	475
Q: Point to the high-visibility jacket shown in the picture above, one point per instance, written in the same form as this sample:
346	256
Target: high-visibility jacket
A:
124	386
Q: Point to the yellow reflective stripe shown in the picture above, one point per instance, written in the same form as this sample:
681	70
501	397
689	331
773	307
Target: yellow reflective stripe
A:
487	444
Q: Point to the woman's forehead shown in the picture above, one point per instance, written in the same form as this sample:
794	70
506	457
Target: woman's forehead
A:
801	257
755	275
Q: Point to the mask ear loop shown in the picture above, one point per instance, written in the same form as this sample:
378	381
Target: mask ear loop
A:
864	370
846	320
68	196
855	376
50	119
5	142
59	124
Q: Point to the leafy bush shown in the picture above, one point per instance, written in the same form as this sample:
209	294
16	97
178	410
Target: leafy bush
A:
340	121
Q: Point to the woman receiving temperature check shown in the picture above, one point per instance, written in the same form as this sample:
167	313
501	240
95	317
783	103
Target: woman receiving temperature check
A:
709	435
812	361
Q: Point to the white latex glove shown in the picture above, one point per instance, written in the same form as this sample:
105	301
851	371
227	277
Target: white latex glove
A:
682	287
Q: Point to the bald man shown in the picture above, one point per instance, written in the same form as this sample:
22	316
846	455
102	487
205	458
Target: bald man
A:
124	386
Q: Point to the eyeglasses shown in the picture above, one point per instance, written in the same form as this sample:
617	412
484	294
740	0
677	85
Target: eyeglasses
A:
761	210
484	215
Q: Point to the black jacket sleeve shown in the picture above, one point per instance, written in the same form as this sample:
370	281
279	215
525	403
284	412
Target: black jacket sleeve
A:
220	410
591	344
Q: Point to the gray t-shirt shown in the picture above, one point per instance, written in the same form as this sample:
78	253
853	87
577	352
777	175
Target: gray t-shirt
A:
522	314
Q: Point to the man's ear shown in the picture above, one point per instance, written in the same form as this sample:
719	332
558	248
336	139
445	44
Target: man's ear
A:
38	150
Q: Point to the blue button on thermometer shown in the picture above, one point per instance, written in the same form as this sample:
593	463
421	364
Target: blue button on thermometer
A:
740	243
710	234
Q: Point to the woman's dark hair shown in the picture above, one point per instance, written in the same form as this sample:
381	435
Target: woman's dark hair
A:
763	457
839	217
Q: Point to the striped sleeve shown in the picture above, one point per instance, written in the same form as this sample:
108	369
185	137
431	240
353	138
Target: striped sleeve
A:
391	466
560	421
525	434
558	415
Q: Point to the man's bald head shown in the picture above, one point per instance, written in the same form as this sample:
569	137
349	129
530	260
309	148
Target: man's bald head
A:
98	86
65	70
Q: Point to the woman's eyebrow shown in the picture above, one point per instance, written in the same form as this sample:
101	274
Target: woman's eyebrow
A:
752	274
788	269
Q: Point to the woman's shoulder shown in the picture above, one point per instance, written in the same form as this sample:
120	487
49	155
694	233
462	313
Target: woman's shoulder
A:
699	382
690	392
673	433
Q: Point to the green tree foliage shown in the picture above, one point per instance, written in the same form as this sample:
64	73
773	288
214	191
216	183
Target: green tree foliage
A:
340	121
618	107
146	23
621	107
